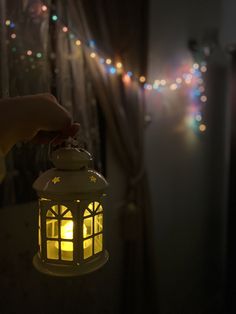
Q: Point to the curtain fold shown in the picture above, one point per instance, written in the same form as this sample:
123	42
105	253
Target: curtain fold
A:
124	109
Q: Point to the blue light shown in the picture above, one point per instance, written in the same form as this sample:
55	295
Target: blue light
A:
129	73
112	70
54	18
102	60
92	43
12	25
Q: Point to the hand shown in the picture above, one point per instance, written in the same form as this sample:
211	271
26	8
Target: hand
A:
21	118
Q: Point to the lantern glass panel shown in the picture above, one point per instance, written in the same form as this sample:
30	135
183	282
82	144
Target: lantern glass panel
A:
87	213
55	209
98	223
88	227
88	248
67	229
52	249
52	228
97	243
67	250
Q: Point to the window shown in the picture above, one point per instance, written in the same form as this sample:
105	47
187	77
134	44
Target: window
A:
59	233
92	229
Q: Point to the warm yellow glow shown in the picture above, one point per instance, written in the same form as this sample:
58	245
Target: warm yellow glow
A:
179	80
93	55
78	42
119	65
67	233
163	82
108	61
173	86
196	66
202	127
8	22
142	79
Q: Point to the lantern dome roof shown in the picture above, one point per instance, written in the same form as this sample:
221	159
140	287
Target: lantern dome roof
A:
71	179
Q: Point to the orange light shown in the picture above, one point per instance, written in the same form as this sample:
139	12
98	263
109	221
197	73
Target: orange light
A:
142	79
202	127
126	78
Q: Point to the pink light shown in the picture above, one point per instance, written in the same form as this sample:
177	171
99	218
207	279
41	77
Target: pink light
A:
65	29
44	8
29	52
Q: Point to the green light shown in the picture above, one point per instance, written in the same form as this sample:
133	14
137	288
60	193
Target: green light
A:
54	18
39	55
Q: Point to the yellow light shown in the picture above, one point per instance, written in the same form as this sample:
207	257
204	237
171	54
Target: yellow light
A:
78	42
67	233
119	65
44	8
179	80
203	98
196	66
142	79
203	69
65	29
108	61
93	55
8	22
173	86
163	82
202	127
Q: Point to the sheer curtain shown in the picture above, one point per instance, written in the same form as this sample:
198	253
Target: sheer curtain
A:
120	30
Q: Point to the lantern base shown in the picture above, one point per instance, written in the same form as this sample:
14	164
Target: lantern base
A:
70	270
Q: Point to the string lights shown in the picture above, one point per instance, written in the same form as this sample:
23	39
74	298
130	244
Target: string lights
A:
190	77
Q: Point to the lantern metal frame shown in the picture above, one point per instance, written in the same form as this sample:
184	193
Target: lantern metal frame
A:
72	185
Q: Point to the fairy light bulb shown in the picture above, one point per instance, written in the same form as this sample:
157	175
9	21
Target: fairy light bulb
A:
65	29
179	80
119	65
163	82
173	86
203	68
93	55
126	78
13	36
202	127
108	61
198	117
142	79
44	8
203	98
29	52
78	42
8	22
54	17
196	66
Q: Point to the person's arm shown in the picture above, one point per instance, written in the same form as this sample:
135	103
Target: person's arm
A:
21	118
